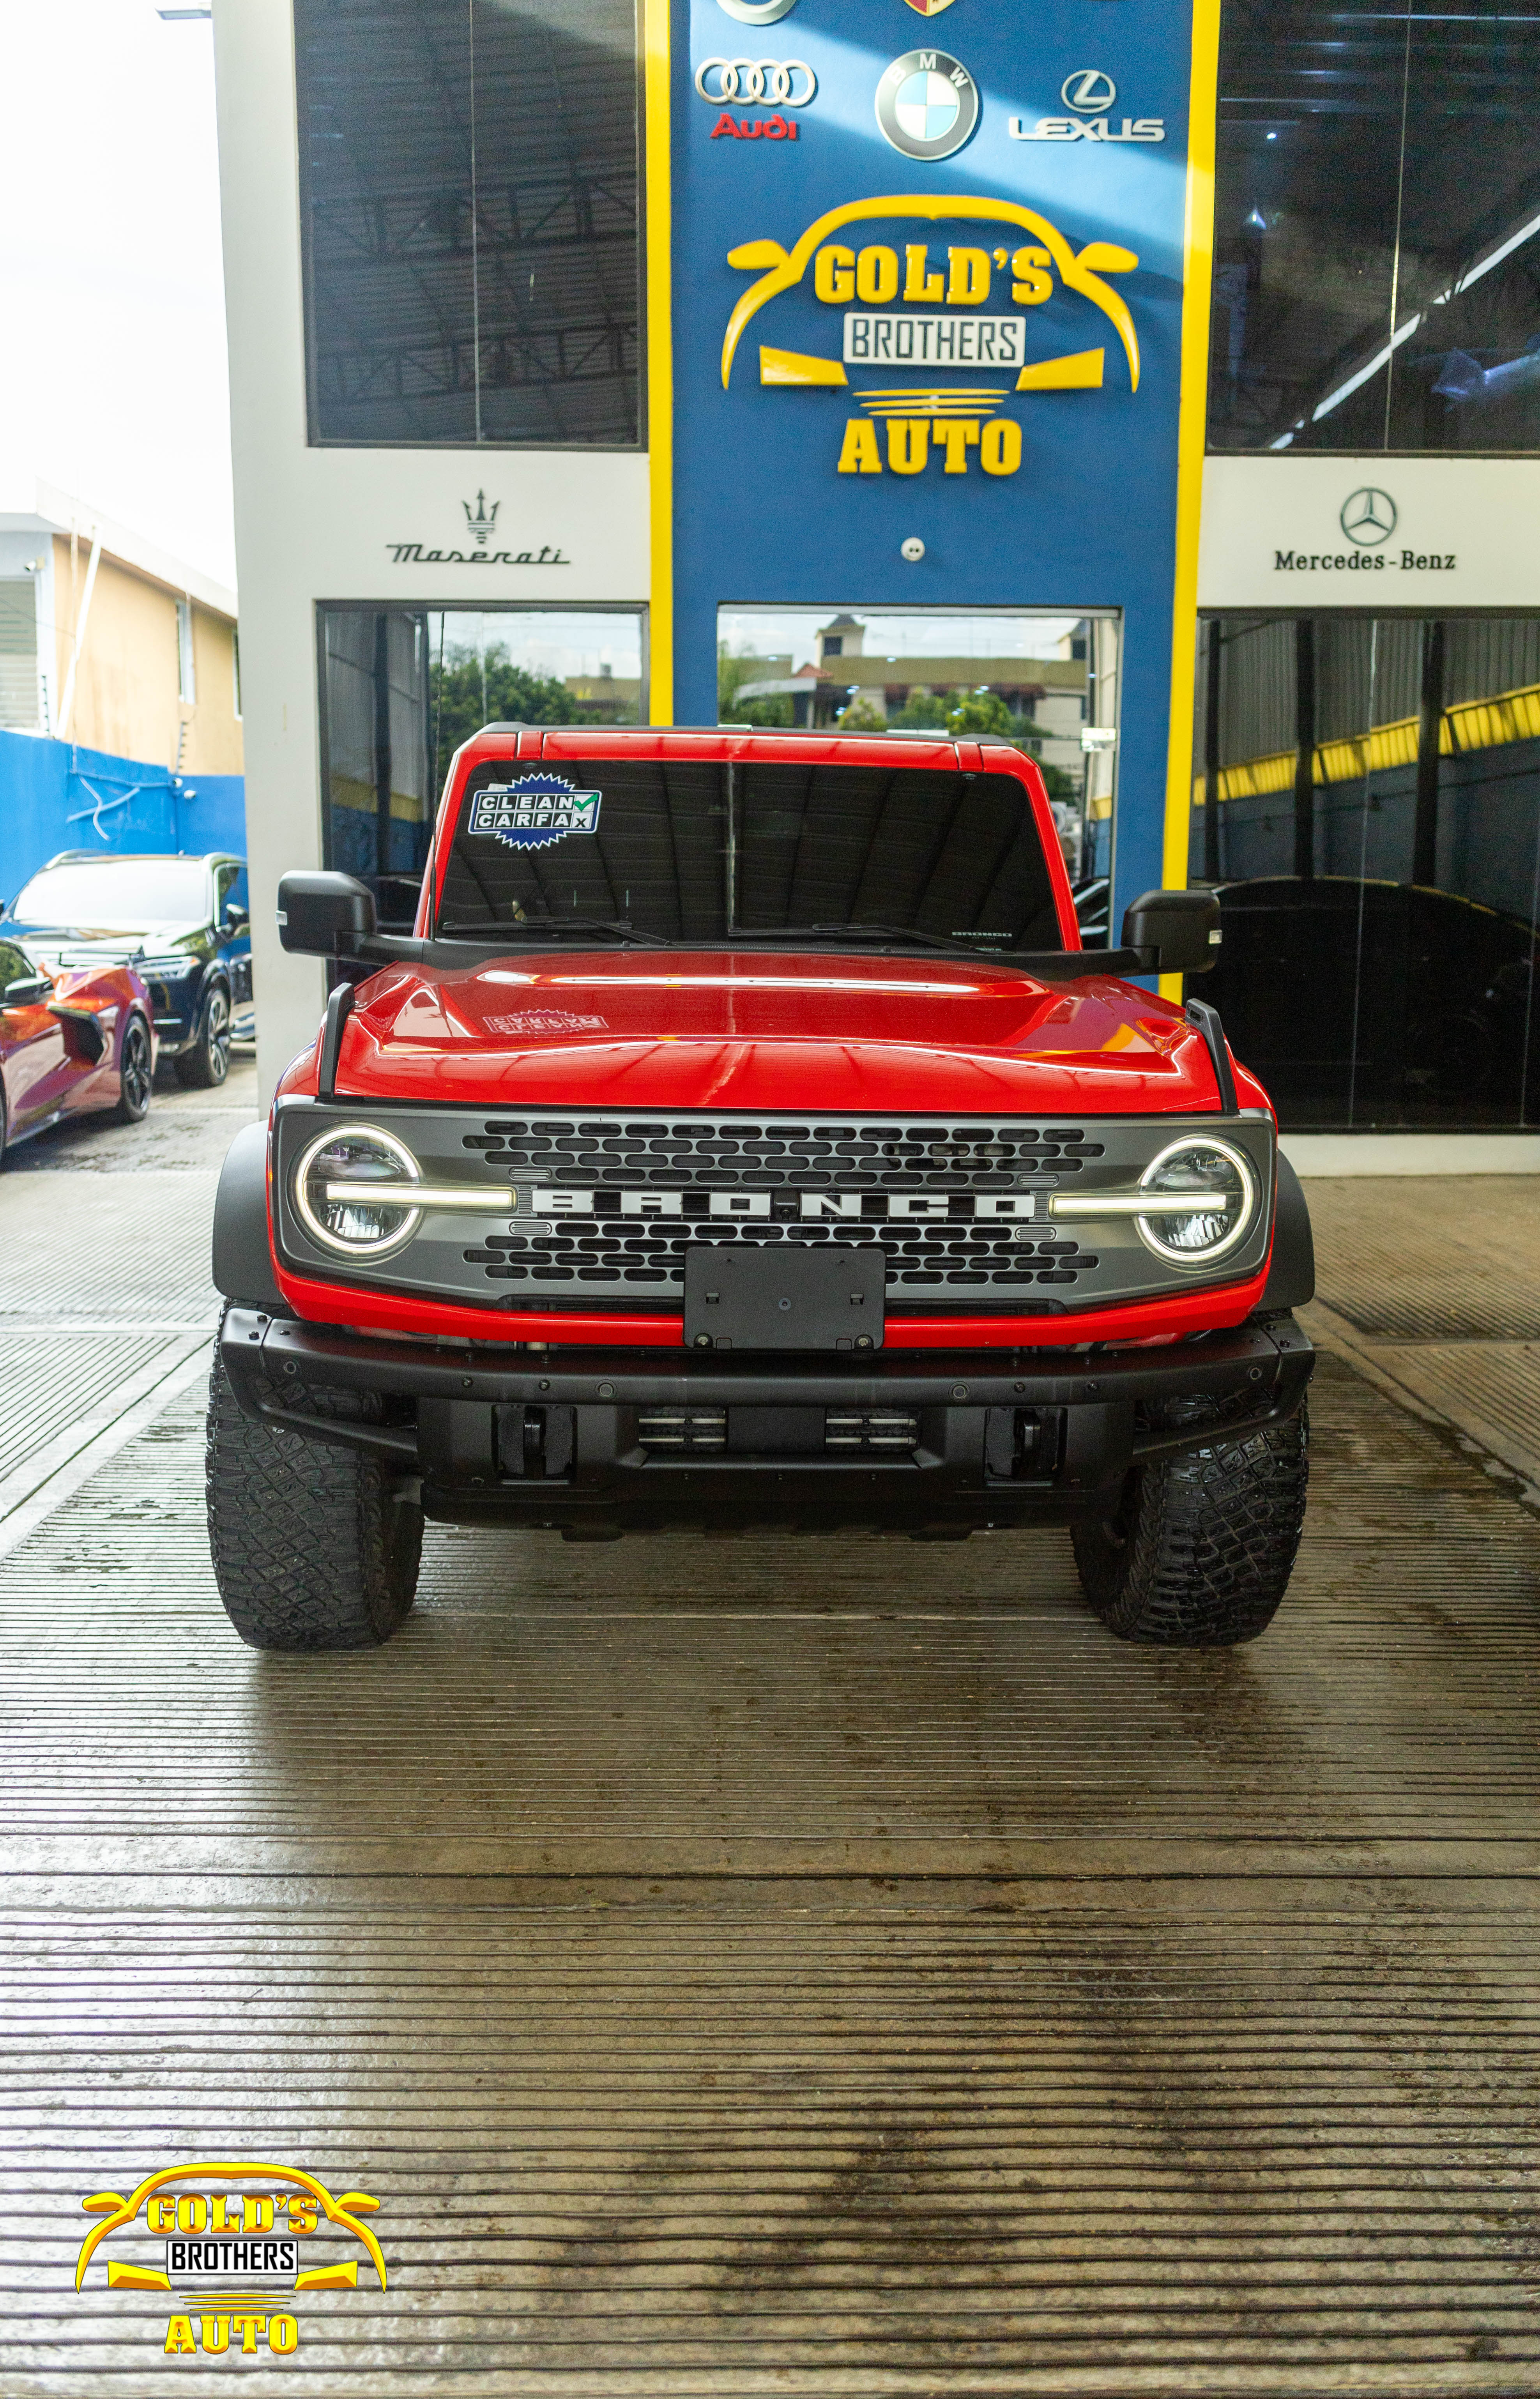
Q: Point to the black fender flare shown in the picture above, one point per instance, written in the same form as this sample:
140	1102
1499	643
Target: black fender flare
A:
242	1260
215	973
1291	1278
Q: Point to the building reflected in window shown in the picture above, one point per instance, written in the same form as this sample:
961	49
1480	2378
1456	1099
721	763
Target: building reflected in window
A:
401	688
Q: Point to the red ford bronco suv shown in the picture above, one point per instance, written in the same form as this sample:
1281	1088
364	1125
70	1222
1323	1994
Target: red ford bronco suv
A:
742	1137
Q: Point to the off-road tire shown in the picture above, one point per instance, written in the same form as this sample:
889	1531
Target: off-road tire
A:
136	1067
1202	1545
204	1064
314	1547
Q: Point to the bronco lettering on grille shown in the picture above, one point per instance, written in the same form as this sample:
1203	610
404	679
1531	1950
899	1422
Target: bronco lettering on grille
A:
786	1207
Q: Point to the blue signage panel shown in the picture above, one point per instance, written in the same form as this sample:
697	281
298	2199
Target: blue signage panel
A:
928	291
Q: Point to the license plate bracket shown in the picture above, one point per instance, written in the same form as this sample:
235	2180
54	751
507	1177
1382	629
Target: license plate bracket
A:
785	1295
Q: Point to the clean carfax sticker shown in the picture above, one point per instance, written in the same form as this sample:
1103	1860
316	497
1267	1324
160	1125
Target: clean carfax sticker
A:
534	812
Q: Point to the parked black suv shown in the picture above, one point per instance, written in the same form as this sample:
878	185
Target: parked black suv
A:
183	922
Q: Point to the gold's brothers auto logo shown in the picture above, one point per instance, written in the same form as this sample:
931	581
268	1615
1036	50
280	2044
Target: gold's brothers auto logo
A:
909	314
231	2255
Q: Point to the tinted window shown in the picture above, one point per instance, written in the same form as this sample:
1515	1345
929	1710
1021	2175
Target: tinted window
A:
1377	229
1369	804
695	850
468	175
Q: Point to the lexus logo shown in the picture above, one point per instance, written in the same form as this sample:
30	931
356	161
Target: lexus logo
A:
1088	89
784	83
1368	516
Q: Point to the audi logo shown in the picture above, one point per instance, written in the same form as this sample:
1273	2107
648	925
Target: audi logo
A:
749	80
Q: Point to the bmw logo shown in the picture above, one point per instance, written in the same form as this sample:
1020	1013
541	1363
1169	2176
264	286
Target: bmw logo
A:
927	104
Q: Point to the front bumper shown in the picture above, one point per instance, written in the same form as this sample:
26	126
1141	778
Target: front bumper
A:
628	1440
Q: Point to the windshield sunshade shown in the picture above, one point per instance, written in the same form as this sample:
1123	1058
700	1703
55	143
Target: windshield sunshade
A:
703	851
116	894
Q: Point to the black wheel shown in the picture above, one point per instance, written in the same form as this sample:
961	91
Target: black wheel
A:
1201	1548
206	1064
135	1073
314	1548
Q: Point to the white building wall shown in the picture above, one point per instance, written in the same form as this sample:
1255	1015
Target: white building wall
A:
326	524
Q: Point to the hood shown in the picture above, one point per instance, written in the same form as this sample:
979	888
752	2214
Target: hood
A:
101	945
689	1029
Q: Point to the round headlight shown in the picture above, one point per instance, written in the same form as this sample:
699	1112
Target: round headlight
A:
1203	1200
333	1197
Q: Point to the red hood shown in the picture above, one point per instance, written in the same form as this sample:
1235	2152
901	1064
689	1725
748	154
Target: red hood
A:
726	1029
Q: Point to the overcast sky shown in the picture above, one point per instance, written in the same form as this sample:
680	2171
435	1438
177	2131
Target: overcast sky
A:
116	386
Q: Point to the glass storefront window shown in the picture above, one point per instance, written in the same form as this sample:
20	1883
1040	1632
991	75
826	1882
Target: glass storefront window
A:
1047	680
468	181
402	687
1377	230
1367	802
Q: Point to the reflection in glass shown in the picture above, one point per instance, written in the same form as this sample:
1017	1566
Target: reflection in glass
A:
1374	832
468	180
1377	232
1045	680
402	688
692	850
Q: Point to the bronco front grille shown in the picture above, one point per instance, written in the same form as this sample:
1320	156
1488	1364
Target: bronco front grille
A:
696	1157
586	1210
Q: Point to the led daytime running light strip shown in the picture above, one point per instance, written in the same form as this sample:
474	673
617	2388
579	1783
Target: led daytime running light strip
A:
1149	1207
494	1198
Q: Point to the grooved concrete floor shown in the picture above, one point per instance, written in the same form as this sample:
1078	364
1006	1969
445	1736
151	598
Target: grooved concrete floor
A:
1431	1288
799	1966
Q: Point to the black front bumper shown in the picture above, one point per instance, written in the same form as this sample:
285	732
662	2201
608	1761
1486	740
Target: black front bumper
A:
628	1440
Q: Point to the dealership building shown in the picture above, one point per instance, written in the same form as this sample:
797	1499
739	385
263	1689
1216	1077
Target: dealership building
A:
1159	388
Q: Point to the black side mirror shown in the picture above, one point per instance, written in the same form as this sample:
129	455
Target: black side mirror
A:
25	991
1178	932
237	918
325	916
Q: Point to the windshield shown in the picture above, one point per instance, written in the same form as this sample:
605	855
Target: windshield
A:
116	894
698	851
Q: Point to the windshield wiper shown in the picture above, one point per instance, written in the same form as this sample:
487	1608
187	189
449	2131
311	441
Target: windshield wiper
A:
621	926
887	933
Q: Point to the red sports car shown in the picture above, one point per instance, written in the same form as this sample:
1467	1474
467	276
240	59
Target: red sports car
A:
70	1043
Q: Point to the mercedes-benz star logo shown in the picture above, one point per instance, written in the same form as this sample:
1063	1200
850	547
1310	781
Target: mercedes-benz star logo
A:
1368	516
1088	89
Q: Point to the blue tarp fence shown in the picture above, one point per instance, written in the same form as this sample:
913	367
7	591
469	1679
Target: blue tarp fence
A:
55	795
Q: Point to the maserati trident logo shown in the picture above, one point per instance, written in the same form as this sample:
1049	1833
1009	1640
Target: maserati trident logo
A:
481	524
1368	516
1088	89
